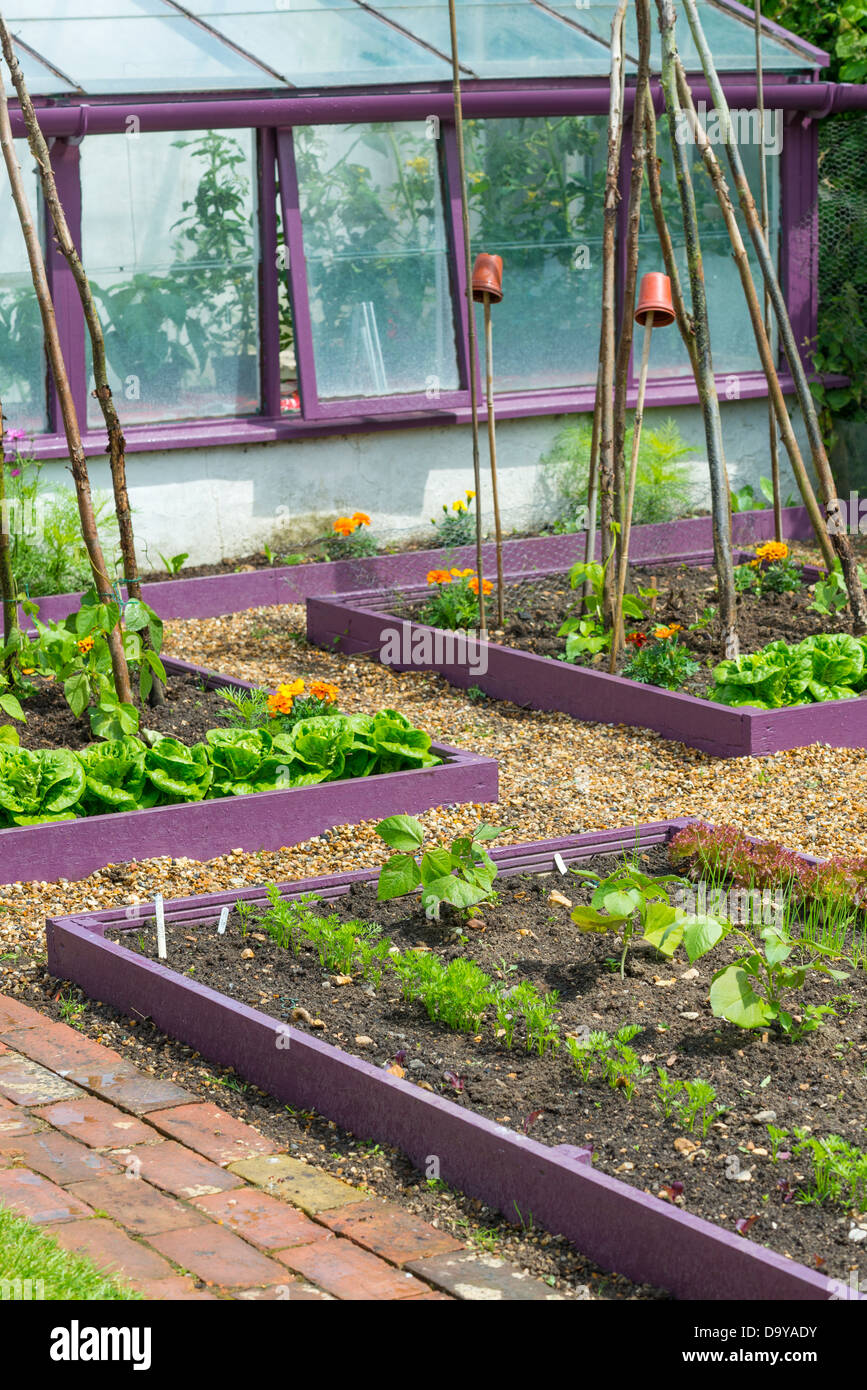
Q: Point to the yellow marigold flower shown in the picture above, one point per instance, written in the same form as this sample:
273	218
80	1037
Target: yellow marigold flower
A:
459	506
439	577
85	645
323	690
360	518
470	494
344	525
772	550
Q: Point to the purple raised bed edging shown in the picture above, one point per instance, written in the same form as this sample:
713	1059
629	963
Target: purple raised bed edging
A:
620	1227
261	821
355	624
214	595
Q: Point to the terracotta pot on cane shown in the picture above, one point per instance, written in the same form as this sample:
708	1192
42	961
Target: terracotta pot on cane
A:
488	277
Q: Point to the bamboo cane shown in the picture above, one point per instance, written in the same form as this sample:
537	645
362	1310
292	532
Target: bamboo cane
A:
471	320
116	441
720	505
827	486
609	239
8	591
763	342
766	226
592	486
627	319
630	495
77	458
492	446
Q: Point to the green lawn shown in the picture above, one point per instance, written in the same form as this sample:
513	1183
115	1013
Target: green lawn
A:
27	1254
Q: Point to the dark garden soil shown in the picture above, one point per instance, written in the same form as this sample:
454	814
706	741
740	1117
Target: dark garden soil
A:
727	1176
188	712
535	610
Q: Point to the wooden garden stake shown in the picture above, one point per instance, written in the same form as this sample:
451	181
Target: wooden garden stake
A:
834	523
116	441
471	321
160	915
766	224
8	591
720	504
609	278
488	287
766	353
77	458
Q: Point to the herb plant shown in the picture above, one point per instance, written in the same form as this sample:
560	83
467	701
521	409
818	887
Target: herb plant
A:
617	1062
663	662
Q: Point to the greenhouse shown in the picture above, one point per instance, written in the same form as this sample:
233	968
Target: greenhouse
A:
267	202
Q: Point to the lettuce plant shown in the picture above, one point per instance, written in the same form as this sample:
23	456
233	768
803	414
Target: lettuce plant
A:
38	787
829	666
115	777
176	772
462	874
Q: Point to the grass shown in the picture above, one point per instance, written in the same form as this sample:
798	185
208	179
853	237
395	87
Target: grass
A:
55	1274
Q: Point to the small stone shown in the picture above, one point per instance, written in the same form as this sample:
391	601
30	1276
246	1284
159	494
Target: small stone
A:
858	1233
764	1117
247	954
690	1014
560	899
341	979
664	984
684	1145
691	974
362	1040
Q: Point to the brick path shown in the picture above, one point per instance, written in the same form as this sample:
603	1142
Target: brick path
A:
186	1202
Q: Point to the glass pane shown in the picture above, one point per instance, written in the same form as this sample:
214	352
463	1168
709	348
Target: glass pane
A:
499	38
733	342
731	38
290	397
131	46
40	80
332	43
170	243
536	189
377	264
22	361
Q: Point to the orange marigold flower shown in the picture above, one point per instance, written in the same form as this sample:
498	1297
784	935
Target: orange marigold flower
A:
487	586
344	525
438	577
662	633
360	518
282	699
85	645
772	550
323	690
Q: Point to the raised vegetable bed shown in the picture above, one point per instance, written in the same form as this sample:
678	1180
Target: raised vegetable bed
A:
618	1225
366	624
213	595
261	821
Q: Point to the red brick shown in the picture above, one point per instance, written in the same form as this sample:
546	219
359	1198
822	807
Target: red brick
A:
112	1251
396	1235
341	1268
175	1169
95	1123
131	1089
290	1291
261	1219
218	1256
483	1278
61	1048
14	1014
27	1083
175	1289
42	1201
62	1160
137	1206
210	1131
17	1122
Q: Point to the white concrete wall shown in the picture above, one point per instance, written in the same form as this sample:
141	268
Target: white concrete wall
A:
224	502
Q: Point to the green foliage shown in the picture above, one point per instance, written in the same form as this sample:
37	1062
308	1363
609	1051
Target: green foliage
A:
664	662
777	577
690	1102
250	709
628	900
348	948
829	666
453	603
839	1174
586	634
461	874
174	563
830	595
457	994
38	787
615	1060
663	488
840	28
751	992
744	498
28	1253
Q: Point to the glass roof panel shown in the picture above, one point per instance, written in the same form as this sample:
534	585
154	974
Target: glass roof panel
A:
732	40
322	43
38	77
114	46
504	38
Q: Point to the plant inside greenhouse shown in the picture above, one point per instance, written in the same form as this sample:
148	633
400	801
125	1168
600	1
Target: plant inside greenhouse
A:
433	670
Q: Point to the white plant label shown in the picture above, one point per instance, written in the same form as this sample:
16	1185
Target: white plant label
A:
161	926
224	917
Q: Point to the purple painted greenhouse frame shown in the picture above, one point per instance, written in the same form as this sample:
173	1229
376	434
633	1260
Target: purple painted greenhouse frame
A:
261	821
275	116
620	1227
